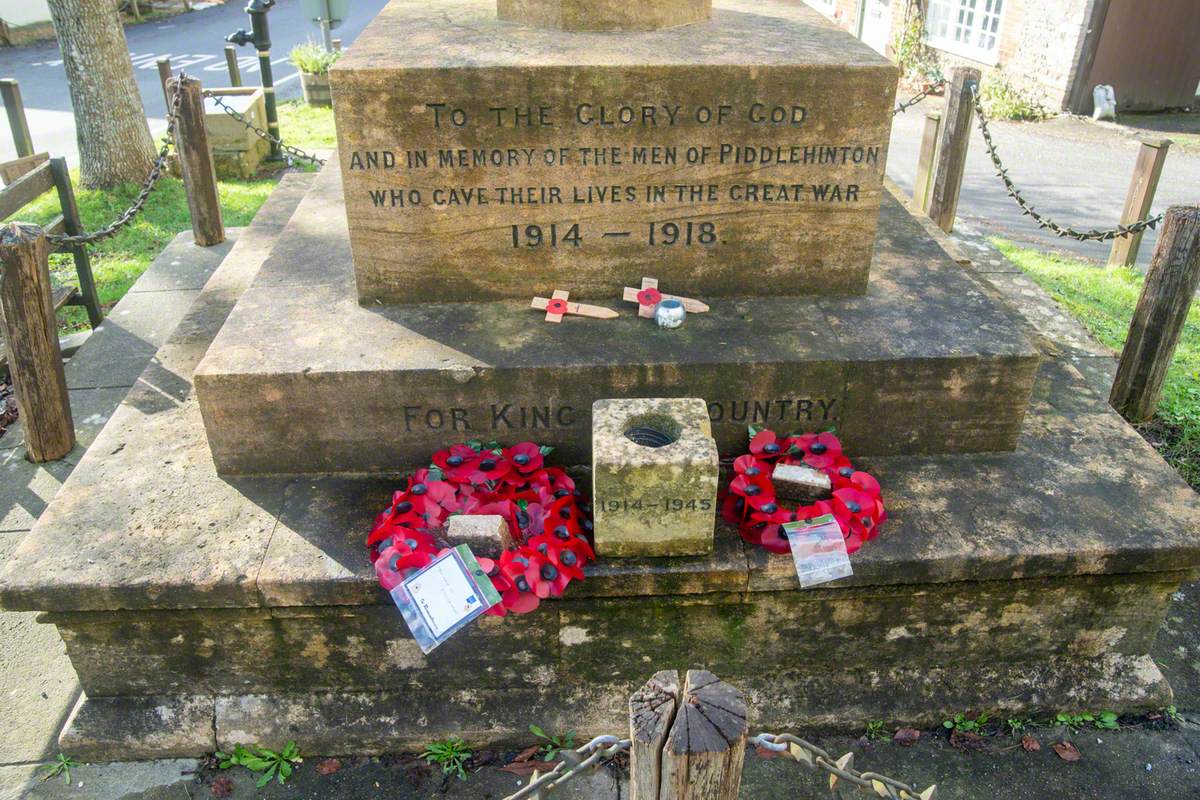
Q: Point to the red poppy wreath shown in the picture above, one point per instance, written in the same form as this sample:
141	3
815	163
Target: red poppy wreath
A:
545	513
751	504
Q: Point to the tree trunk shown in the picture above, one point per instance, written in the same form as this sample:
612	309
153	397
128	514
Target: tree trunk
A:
114	140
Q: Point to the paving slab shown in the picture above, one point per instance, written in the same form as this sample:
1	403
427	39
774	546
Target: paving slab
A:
38	687
112	781
26	488
182	265
90	411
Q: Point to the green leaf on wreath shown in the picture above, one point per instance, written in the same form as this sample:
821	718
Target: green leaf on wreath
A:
545	450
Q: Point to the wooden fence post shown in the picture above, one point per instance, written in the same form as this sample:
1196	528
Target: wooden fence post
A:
196	164
689	743
10	90
1142	186
164	76
925	161
231	62
1159	317
31	333
952	147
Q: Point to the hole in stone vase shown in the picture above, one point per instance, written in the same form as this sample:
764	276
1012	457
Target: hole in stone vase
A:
652	430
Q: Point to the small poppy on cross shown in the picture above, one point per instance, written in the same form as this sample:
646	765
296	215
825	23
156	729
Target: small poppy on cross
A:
558	306
648	297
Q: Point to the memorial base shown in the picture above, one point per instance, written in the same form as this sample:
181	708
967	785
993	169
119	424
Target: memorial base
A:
202	611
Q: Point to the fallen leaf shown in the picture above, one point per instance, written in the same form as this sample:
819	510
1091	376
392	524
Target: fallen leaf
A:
529	767
329	766
765	752
527	753
1030	744
1067	751
221	787
966	741
906	737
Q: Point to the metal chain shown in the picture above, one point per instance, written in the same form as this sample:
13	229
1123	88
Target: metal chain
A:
919	96
139	202
1043	221
600	749
813	756
295	152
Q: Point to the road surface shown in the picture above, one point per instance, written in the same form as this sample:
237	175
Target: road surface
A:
193	41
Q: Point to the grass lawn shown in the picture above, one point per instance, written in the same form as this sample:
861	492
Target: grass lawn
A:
119	261
1103	300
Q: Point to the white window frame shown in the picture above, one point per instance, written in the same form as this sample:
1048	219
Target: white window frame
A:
976	10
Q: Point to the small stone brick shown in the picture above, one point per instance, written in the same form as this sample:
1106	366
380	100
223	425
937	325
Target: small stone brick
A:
486	534
653	501
798	482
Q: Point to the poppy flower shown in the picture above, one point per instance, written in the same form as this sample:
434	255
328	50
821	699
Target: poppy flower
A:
403	556
774	538
556	306
568	556
649	297
564	512
490	467
758	491
526	458
733	509
519	597
750	466
818	450
545	576
861	510
557	479
767	446
457	462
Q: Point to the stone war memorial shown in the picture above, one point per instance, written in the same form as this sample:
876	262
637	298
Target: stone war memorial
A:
589	271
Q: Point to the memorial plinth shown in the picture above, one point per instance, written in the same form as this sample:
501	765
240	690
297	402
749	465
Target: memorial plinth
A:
486	160
206	599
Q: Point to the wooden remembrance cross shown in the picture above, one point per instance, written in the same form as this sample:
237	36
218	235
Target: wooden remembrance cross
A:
648	296
558	306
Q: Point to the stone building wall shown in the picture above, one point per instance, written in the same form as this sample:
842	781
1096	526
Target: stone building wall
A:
1040	42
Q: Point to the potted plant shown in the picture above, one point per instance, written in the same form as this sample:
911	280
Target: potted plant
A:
314	62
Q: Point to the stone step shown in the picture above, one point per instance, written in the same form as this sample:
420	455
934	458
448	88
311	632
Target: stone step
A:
302	379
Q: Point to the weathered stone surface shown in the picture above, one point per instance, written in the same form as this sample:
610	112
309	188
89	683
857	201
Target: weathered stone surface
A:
302	379
143	518
443	86
653	500
486	534
784	698
135	728
798	482
237	151
300	648
604	15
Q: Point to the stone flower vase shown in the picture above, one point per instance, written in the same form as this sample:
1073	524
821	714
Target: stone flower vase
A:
316	88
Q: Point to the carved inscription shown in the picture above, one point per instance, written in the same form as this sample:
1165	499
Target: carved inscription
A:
505	417
762	150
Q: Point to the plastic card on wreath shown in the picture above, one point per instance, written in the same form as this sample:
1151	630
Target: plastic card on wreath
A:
819	550
444	597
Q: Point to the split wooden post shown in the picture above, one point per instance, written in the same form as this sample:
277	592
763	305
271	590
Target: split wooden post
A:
196	164
231	62
14	107
1160	315
952	147
926	160
164	77
688	743
31	333
1142	187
